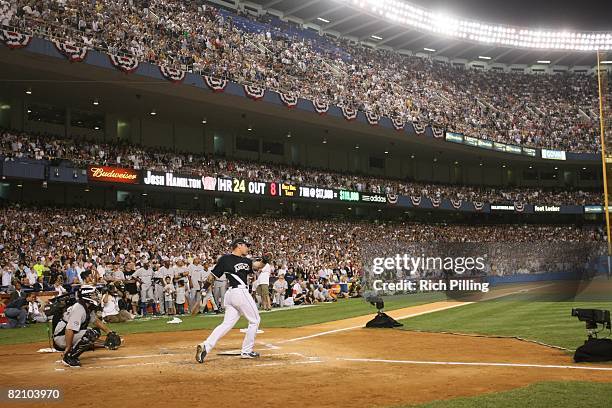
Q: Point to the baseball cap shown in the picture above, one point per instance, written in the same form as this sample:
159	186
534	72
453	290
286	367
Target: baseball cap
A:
239	241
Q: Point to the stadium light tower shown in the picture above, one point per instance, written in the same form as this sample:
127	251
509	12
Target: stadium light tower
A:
405	13
605	131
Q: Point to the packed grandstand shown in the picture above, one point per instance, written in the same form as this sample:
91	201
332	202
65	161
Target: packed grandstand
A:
20	145
549	111
60	241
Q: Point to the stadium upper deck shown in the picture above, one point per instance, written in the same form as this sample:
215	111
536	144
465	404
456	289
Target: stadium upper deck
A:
552	111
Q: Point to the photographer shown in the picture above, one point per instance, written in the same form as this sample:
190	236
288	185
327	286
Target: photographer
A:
111	313
17	291
298	292
125	303
17	311
35	314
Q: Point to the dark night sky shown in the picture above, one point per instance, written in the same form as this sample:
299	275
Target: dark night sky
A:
559	14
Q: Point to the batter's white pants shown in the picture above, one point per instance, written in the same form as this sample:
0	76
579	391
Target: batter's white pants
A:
237	302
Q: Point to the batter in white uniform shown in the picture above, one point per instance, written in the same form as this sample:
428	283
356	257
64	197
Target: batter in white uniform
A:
238	302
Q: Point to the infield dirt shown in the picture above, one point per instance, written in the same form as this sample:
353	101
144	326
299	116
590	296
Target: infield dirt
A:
331	364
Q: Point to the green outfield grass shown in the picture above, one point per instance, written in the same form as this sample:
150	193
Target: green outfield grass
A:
545	321
320	313
542	395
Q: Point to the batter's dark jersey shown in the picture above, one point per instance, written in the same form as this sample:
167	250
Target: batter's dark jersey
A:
233	266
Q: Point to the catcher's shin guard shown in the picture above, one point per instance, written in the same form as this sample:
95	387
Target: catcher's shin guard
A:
85	344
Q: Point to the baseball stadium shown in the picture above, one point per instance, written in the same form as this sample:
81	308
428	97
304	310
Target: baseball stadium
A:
312	203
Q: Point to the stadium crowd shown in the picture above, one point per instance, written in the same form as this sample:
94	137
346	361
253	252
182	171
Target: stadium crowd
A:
157	260
19	145
552	111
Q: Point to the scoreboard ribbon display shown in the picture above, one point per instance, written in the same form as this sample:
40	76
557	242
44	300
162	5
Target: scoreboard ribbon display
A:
235	185
258	188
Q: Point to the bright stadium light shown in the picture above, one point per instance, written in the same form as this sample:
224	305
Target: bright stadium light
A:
484	58
376	37
429	49
445	24
543	62
324	20
415	17
606	62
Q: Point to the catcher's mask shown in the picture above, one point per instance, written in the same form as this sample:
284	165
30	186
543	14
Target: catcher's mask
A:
89	294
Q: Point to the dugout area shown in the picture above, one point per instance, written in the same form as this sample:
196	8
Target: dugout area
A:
337	363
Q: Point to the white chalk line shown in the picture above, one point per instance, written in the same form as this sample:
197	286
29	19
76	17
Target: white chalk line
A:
114	366
479	364
439	309
129	365
361	326
286	364
271	346
131	357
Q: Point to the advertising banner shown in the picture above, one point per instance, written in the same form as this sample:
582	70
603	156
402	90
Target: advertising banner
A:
112	175
553	154
454	137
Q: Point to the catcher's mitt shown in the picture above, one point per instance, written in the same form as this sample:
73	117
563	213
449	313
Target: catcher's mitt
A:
113	341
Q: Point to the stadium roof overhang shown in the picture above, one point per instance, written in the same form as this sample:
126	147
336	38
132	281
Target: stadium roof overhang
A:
347	20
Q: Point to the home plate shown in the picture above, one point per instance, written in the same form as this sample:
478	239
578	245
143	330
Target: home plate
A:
245	330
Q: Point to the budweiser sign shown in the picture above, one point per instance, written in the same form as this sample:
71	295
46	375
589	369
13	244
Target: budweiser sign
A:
112	174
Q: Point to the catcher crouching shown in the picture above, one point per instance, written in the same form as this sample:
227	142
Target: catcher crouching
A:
71	331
